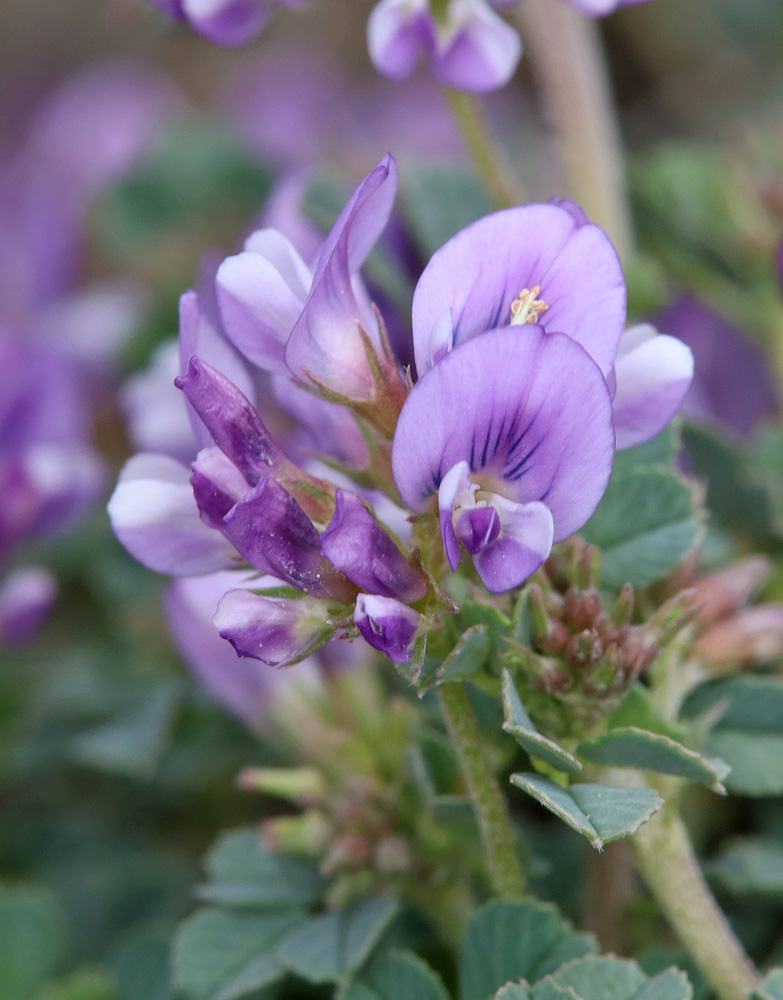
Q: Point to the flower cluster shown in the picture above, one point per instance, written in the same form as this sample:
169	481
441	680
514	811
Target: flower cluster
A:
469	46
502	447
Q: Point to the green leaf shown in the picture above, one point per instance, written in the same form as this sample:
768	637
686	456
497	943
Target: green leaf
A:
439	201
660	450
632	747
134	743
84	984
519	725
770	987
645	525
397	976
213	946
256	975
602	813
330	947
750	866
468	656
32	933
244	874
142	966
510	941
608	978
749	732
637	709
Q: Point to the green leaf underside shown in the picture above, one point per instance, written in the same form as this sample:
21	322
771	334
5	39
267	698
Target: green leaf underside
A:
510	941
244	874
632	747
749	866
440	201
519	724
330	947
748	735
771	986
645	525
602	813
397	976
468	656
32	934
601	978
660	450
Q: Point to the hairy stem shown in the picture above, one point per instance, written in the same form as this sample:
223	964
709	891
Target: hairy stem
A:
666	859
567	56
488	161
488	801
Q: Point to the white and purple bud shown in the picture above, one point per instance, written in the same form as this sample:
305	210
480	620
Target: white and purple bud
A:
387	625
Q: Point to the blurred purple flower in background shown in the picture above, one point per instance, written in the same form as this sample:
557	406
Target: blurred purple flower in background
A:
224	22
55	337
732	385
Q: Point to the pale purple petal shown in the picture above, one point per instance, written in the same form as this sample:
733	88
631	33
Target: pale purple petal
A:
68	481
483	269
484	54
154	515
275	630
529	412
258	308
397	35
653	374
523	544
155	410
275	247
325	343
357	545
600	8
235	426
217	486
387	625
330	428
454	484
27	597
229	23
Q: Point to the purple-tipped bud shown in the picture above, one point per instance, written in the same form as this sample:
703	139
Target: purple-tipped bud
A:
275	630
355	543
232	421
387	625
478	528
271	531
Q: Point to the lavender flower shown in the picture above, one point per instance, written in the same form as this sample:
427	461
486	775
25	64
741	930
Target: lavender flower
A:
229	23
547	264
514	435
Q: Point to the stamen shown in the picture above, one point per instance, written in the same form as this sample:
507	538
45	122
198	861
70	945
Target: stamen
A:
527	307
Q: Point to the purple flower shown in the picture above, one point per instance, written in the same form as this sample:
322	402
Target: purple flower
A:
600	8
27	597
277	631
470	47
229	23
289	320
547	264
732	384
514	435
387	625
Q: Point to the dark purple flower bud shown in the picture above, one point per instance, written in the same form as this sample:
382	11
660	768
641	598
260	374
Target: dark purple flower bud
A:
387	625
275	630
355	543
233	423
271	531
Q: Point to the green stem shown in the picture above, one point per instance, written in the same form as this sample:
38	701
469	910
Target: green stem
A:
487	160
666	859
568	60
488	801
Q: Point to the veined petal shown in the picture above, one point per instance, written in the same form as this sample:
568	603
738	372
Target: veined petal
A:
154	515
235	426
484	54
531	416
653	375
482	270
258	308
524	542
325	342
355	543
387	625
274	630
270	529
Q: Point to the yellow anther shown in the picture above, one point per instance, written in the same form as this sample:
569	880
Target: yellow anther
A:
527	307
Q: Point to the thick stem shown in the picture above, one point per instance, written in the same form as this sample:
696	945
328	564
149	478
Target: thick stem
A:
669	866
488	801
568	61
488	161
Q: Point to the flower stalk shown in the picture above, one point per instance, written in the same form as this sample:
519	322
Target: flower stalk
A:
568	61
669	866
488	161
491	809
